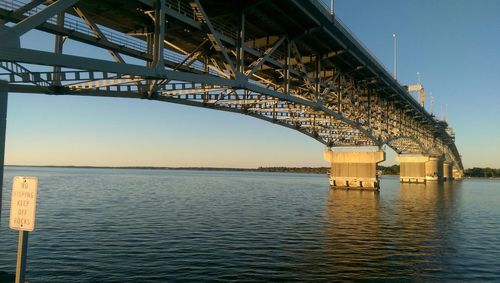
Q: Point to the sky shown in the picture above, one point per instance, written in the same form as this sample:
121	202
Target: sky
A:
453	44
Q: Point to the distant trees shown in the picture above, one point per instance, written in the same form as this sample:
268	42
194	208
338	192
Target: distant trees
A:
482	172
317	170
385	170
391	170
471	172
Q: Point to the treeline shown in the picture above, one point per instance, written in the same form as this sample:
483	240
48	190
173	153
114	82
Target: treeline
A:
314	170
482	172
383	170
391	170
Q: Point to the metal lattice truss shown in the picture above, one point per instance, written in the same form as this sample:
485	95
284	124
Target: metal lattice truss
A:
249	57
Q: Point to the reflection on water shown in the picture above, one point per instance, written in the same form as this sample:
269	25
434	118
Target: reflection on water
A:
353	233
425	219
375	238
166	226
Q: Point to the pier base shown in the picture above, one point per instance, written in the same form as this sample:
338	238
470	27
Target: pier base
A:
416	168
354	169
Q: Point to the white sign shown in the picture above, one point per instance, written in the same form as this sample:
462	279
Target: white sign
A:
23	203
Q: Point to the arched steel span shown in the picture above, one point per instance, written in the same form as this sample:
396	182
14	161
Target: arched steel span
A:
305	71
407	144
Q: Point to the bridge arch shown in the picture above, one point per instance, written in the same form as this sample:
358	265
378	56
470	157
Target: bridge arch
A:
407	144
310	118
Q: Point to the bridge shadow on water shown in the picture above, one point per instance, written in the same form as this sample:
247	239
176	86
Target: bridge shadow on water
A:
400	233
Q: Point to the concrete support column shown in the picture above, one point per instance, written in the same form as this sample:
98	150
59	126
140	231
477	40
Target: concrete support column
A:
354	169
434	169
412	168
417	168
457	173
3	123
447	171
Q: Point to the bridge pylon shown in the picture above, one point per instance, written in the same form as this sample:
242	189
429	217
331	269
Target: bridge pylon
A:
418	168
447	171
457	173
354	168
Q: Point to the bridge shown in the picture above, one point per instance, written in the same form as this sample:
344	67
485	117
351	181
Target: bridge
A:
288	62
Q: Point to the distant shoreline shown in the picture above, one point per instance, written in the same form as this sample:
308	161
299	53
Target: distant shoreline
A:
297	170
316	170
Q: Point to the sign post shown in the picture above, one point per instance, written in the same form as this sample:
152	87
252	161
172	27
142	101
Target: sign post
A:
22	217
22	251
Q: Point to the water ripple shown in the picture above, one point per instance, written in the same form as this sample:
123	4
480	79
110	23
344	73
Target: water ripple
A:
185	226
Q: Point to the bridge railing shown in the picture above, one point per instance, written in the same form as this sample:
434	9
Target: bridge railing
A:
343	27
74	23
346	30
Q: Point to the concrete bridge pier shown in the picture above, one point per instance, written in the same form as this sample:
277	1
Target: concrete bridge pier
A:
434	169
417	168
457	173
354	169
447	171
412	168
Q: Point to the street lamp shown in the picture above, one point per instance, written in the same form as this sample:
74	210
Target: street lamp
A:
395	57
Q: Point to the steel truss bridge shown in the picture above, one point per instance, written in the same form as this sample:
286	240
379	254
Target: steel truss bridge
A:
289	62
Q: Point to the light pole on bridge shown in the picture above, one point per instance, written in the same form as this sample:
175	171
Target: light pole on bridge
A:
395	56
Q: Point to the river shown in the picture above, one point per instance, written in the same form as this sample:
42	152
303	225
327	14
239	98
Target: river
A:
121	225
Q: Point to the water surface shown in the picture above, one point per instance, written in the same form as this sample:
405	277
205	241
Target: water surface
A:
118	225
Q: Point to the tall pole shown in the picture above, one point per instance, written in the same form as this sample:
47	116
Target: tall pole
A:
395	56
331	8
432	101
3	122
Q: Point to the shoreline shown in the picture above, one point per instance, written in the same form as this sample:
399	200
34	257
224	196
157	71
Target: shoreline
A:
315	170
296	170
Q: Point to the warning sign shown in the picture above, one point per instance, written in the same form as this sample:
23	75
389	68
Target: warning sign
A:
23	203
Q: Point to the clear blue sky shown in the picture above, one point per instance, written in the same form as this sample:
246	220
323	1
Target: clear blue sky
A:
454	44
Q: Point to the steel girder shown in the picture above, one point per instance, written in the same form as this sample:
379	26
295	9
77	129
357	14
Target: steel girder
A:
307	78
